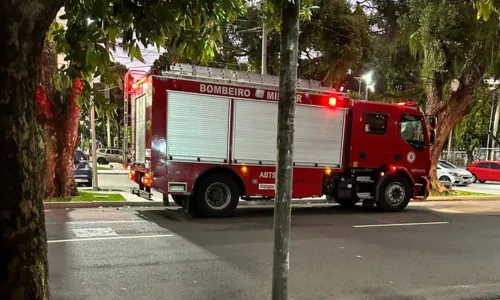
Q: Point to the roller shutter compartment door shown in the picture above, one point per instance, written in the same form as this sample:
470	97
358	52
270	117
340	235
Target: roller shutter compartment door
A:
255	131
140	129
319	135
197	127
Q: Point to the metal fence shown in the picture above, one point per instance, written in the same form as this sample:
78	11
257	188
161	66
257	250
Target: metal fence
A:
460	158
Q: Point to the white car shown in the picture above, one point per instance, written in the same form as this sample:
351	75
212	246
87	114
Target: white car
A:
107	155
449	172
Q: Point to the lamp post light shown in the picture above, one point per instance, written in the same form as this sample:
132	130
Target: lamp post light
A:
492	86
368	78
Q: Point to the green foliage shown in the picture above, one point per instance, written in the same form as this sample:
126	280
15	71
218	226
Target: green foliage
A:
485	8
445	34
472	131
95	27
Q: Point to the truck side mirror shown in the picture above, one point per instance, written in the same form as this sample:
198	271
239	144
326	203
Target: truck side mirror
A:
432	137
433	122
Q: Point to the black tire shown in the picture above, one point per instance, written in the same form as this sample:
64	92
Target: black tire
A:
217	196
482	181
394	194
179	199
102	161
474	178
347	202
444	178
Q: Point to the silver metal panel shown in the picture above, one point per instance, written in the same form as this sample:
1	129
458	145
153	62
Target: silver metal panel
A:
197	127
140	129
255	131
241	76
319	135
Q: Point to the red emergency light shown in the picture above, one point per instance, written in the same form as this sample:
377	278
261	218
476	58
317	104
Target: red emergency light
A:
132	81
332	101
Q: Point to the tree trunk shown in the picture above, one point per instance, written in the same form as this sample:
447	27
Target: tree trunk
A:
284	165
59	115
452	111
470	155
61	137
23	240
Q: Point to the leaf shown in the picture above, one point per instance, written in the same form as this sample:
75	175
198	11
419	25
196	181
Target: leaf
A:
113	33
414	44
479	6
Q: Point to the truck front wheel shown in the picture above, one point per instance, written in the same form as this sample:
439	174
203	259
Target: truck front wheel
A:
217	195
394	194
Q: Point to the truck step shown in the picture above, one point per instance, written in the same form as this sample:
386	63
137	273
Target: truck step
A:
367	179
364	195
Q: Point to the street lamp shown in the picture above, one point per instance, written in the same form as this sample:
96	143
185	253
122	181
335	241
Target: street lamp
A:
368	79
492	86
370	87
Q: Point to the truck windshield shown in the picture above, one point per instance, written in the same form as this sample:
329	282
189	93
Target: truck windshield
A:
412	131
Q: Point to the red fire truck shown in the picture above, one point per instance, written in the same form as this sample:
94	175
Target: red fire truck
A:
207	137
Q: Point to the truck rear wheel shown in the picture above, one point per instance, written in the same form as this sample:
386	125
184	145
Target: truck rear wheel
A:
217	195
394	194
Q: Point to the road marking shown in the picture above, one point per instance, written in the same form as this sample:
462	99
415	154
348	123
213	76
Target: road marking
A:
94	232
100	222
400	224
111	238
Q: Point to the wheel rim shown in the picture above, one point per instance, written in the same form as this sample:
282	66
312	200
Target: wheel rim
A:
474	178
218	196
395	193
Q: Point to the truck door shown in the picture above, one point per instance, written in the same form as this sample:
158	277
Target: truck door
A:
370	145
410	151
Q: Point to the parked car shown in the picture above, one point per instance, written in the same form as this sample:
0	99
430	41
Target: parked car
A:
82	170
465	177
107	155
483	171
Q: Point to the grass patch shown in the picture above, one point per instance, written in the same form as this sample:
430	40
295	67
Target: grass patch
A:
89	197
455	193
104	168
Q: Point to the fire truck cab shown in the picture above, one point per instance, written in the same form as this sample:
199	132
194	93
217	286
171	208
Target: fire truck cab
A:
207	137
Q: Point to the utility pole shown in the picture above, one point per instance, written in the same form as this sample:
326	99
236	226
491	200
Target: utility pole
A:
495	130
284	165
95	184
489	126
108	123
264	43
448	153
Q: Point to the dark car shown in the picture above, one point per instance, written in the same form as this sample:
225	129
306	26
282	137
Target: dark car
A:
82	170
485	171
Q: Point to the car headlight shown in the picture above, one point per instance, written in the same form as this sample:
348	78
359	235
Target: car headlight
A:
455	174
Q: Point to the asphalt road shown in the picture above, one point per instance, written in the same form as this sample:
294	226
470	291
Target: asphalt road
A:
440	250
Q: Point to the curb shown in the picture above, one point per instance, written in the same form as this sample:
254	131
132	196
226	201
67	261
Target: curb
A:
111	173
63	205
461	198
